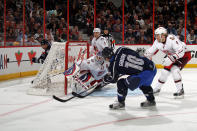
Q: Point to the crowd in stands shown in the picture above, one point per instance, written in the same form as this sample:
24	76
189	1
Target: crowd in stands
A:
33	33
192	21
172	16
138	20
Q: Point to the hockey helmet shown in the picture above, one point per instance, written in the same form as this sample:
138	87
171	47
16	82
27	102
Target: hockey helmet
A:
97	30
107	52
161	34
44	42
160	30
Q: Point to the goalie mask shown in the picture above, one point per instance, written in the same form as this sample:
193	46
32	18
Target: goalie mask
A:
161	34
98	58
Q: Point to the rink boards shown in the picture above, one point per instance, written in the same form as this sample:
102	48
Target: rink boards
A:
17	69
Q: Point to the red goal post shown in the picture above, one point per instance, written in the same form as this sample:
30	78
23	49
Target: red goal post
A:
75	51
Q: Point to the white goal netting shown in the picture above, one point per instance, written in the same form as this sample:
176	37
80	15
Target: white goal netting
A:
50	79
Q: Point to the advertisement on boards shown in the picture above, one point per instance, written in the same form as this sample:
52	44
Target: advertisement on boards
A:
14	60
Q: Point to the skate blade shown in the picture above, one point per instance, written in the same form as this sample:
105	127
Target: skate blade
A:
123	108
149	107
179	97
156	94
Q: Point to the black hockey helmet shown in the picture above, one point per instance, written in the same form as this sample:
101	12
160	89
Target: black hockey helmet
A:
107	52
44	42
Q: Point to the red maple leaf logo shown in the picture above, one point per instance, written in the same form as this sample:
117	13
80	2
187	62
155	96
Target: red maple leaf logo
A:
31	55
18	57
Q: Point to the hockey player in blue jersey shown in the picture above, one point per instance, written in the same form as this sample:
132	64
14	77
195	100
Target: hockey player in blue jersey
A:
46	46
141	73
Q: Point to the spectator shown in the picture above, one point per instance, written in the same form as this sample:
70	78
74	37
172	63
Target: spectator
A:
191	37
171	29
49	36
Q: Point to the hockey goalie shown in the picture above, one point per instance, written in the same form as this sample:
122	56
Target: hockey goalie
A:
87	73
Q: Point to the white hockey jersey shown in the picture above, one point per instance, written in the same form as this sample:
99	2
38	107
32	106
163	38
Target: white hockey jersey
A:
98	44
97	70
173	46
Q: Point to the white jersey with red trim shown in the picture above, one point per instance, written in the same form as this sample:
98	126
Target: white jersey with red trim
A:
98	44
172	46
97	70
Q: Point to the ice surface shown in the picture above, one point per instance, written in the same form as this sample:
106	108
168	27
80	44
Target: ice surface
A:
22	112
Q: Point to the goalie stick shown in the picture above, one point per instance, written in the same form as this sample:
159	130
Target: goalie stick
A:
79	95
76	95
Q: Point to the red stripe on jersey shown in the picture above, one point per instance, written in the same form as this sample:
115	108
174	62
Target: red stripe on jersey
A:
156	52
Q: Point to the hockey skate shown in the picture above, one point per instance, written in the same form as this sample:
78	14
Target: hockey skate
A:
117	106
179	95
156	91
147	104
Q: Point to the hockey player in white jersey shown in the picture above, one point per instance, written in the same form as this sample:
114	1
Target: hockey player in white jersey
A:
98	42
177	56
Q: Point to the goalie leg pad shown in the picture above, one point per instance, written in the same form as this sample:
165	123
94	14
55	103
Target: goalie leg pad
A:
85	79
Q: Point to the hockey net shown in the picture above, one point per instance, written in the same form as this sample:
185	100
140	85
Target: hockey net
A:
50	79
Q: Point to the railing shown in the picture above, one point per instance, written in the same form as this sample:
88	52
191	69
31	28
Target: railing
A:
26	22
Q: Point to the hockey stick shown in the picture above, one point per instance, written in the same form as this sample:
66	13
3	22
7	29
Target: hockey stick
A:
82	96
8	61
84	86
75	95
79	95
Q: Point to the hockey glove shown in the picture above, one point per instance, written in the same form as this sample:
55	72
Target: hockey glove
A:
168	60
43	56
34	60
107	78
41	61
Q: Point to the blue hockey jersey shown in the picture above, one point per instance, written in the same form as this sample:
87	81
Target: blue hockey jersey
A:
128	62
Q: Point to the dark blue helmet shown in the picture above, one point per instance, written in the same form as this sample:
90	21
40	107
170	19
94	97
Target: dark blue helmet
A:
107	52
44	42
